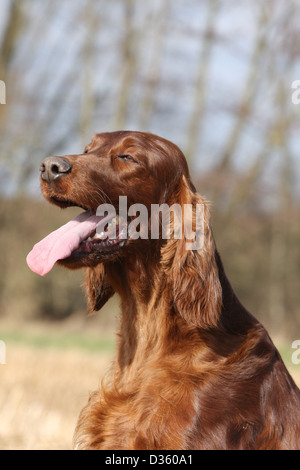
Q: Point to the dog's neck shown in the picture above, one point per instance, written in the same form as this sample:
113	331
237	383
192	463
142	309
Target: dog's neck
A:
149	317
147	313
234	317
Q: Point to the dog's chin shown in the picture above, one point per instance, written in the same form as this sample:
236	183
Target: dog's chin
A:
80	259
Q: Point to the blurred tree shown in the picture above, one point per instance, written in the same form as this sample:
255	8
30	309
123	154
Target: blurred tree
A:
10	38
88	58
75	68
127	65
197	114
151	78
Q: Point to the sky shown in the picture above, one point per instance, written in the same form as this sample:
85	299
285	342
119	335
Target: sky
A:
49	77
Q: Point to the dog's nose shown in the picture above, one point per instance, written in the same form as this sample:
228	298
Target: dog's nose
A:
53	167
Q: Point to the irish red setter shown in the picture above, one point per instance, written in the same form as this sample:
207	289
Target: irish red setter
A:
194	369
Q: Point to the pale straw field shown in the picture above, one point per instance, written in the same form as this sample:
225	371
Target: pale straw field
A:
42	391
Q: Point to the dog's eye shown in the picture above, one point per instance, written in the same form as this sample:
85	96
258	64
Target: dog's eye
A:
127	158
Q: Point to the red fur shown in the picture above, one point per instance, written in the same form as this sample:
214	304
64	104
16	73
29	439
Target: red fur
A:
194	369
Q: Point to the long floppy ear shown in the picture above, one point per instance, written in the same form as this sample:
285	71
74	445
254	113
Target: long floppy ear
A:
190	262
98	289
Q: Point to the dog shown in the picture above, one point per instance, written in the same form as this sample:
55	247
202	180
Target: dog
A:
194	369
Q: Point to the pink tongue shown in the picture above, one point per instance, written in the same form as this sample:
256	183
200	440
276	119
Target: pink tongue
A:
62	242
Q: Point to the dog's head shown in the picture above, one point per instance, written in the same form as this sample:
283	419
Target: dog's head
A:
139	201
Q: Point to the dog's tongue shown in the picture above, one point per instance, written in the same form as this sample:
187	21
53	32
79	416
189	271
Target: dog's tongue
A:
62	242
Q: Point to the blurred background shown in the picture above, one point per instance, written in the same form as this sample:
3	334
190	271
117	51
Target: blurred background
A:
215	77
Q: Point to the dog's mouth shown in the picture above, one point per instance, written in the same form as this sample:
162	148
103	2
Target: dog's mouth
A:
64	203
105	236
86	236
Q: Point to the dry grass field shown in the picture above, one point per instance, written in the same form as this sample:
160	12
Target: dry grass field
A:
42	390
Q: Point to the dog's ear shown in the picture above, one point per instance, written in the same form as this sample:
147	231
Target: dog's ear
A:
190	263
98	289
